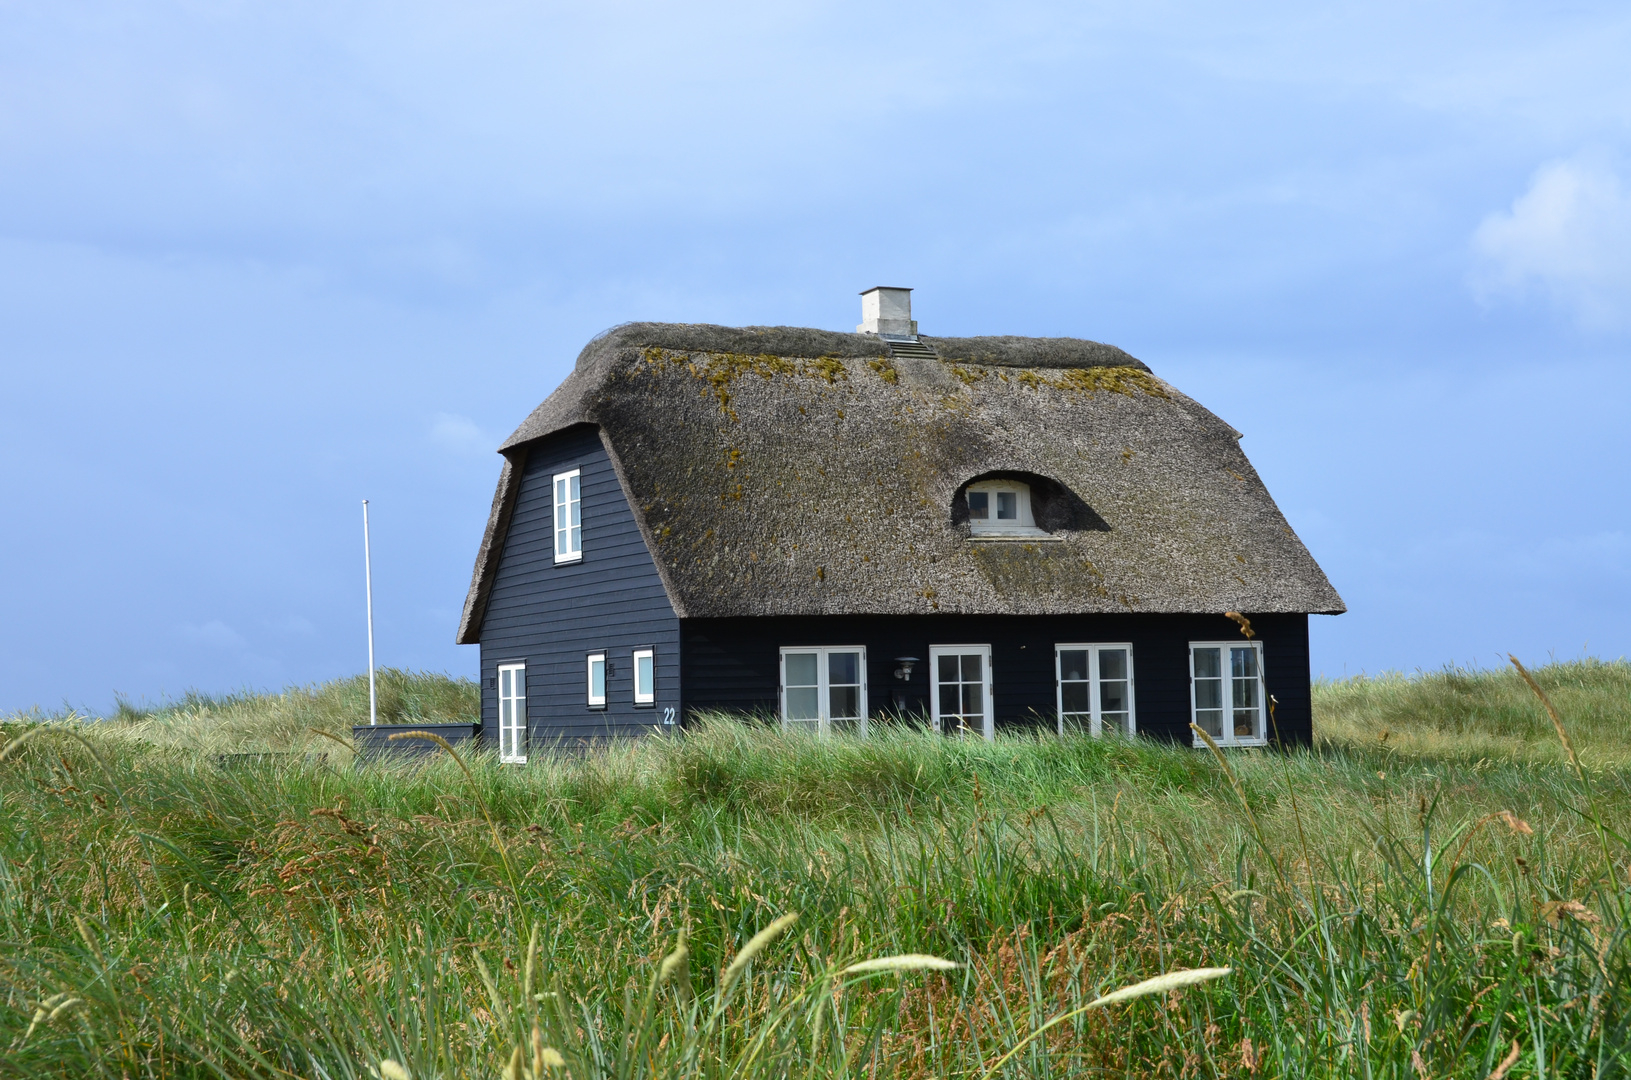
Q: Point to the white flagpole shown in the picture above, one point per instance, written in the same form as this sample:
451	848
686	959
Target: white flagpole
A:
368	580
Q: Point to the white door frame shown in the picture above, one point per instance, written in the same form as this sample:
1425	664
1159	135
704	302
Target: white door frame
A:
984	651
1261	727
512	737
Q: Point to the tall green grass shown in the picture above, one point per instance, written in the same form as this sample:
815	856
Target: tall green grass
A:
1381	915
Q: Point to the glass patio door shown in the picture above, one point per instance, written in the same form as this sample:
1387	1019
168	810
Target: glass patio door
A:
824	689
961	696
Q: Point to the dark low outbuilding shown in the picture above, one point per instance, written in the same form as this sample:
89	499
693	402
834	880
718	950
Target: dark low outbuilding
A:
831	528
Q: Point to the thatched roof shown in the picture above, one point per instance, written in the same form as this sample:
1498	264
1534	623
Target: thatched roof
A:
780	471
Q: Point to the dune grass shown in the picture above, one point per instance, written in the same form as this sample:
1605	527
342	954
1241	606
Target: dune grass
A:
1405	906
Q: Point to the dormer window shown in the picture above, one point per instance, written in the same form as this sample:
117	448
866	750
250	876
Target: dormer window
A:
1001	509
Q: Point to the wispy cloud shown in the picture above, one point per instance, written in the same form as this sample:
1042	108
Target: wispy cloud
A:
215	634
460	434
1570	236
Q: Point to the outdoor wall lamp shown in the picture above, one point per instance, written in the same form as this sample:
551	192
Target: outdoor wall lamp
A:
904	672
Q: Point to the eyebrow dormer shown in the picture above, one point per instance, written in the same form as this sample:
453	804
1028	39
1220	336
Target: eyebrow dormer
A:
1001	510
1020	506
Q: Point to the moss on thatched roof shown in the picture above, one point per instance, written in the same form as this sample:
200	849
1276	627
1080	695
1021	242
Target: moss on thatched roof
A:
779	471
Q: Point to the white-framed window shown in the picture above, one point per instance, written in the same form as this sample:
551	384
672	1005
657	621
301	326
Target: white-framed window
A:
1226	690
824	689
568	517
597	680
512	713
1095	688
645	676
960	699
1001	509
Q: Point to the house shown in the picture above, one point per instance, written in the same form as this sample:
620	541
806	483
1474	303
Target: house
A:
827	528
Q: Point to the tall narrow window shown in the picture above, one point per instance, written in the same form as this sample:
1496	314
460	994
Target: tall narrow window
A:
568	517
1095	688
824	689
961	698
597	680
645	677
1228	697
512	713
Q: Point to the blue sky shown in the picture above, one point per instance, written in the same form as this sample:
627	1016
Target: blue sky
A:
260	261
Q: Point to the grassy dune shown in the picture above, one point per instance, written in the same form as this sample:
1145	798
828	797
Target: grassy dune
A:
1411	905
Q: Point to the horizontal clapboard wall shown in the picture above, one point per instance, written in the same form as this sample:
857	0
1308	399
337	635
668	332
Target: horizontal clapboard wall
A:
734	664
551	616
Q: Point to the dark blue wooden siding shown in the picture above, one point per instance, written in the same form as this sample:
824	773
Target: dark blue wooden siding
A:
733	664
551	617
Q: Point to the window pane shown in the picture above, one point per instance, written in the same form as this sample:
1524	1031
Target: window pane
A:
577	513
1208	694
1007	506
1114	723
1210	721
948	669
1245	693
560	492
1245	723
503	684
1243	663
979	505
950	701
597	679
1208	664
843	667
1113	696
1073	664
576	540
973	700
1077	721
801	669
971	667
1074	697
574	493
1112	663
642	674
844	703
803	703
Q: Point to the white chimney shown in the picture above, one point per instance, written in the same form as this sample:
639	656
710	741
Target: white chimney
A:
887	311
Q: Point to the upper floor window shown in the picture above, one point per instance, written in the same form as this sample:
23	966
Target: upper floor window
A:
1001	508
568	518
1227	692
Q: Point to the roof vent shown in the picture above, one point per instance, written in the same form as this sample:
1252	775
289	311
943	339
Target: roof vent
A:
887	312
